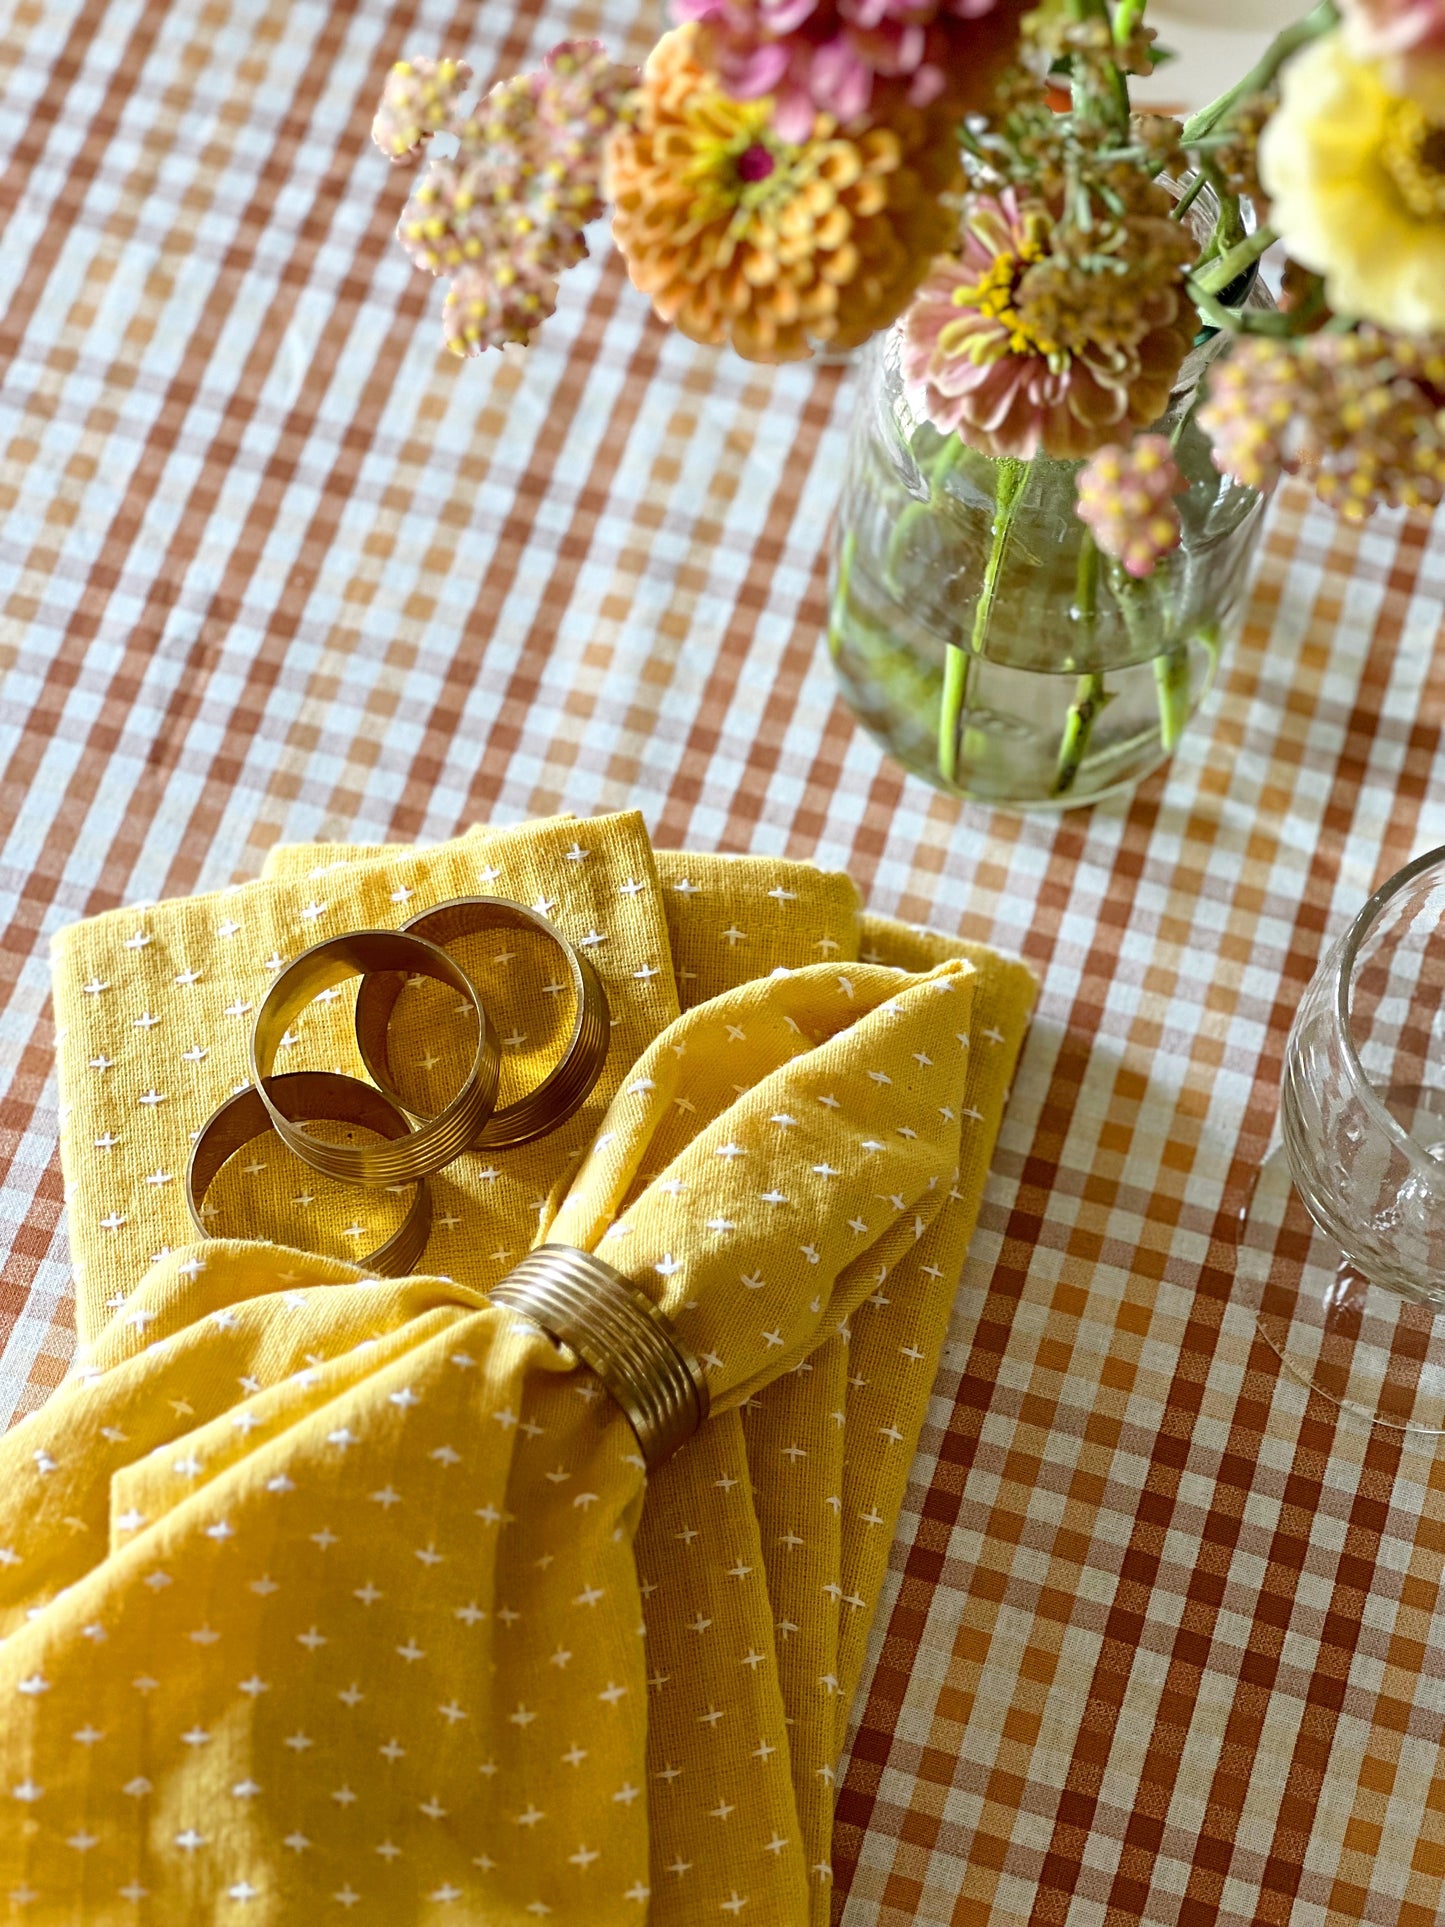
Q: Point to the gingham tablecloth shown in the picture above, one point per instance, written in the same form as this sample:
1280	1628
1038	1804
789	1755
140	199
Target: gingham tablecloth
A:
1163	1637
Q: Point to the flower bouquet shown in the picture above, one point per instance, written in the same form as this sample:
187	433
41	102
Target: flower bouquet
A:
1079	387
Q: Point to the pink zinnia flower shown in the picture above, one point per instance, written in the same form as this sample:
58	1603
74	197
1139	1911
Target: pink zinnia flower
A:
1126	499
976	363
824	56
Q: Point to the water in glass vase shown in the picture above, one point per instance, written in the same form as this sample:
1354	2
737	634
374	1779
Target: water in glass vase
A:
981	636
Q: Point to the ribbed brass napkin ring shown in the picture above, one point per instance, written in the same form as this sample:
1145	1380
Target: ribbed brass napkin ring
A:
310	1096
566	1086
441	1138
616	1329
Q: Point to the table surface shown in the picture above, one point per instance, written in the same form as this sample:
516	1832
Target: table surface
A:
1162	1638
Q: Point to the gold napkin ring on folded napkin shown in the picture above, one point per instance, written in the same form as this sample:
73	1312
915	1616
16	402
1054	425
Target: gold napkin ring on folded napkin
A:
566	1086
310	1096
437	1141
615	1328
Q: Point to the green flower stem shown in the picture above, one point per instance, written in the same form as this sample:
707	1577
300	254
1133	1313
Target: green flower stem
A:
1187	199
1227	267
1114	108
1127	15
847	548
1091	699
1229	229
1215	312
1147	622
1137	599
956	665
1208	639
1010	480
1171	685
1086	580
1319	20
1249	321
936	473
909	682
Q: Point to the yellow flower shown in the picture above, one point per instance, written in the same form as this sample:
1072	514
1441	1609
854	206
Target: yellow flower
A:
1356	179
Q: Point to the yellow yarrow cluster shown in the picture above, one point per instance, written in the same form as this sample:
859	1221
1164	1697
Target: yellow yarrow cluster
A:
742	237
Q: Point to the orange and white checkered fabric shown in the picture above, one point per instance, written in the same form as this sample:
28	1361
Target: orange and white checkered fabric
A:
1163	1636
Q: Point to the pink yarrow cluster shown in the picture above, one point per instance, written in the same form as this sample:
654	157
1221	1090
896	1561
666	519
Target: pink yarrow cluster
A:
1126	500
1362	414
823	56
503	215
419	99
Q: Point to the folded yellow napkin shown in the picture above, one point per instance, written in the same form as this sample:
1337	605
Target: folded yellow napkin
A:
333	1594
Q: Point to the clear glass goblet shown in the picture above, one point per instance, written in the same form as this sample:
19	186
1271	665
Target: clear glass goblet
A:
1342	1246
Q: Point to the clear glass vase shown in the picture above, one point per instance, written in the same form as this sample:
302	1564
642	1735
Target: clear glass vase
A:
981	637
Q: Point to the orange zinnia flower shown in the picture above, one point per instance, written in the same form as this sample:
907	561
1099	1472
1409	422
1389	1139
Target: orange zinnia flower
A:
776	247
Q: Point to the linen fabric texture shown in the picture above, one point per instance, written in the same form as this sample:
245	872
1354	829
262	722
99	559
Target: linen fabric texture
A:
334	1596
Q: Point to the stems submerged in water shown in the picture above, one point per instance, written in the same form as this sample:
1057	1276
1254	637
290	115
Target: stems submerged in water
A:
1010	481
1152	630
1091	699
956	666
983	637
1171	681
846	551
936	473
1144	616
1086	581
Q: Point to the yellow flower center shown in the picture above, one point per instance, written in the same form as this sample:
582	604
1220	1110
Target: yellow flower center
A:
738	170
995	295
757	172
1414	151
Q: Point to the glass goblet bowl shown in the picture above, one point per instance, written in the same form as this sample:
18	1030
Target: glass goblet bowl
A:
1341	1249
1362	1104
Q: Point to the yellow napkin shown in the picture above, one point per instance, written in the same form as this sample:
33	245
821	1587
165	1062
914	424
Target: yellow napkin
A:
326	1593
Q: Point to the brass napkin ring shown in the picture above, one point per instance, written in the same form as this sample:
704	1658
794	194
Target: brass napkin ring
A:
310	1095
441	1138
616	1329
566	1086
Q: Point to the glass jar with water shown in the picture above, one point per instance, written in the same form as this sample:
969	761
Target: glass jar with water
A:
981	637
